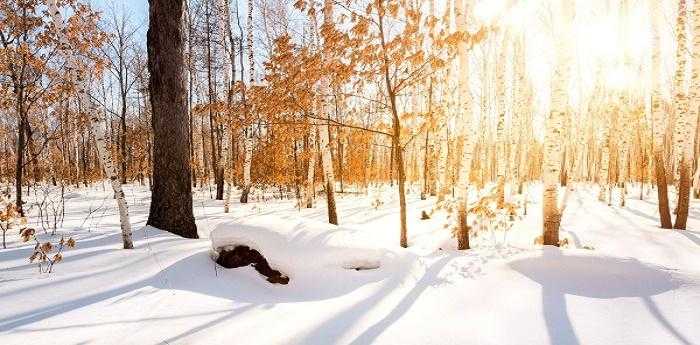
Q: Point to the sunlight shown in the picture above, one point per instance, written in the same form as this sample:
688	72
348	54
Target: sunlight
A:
365	172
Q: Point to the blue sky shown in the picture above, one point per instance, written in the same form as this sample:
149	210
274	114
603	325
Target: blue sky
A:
139	8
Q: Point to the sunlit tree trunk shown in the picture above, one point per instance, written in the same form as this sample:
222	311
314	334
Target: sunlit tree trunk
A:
604	175
229	60
687	108
248	157
98	124
324	140
467	132
551	164
311	152
624	147
501	159
171	200
658	117
327	164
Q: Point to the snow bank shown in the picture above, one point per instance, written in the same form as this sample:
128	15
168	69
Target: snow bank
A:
302	248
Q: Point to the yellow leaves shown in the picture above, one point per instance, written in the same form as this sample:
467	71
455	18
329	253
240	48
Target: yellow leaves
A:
27	234
300	5
57	258
46	247
361	27
393	9
418	58
483	210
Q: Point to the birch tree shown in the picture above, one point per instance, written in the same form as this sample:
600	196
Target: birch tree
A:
551	165
685	121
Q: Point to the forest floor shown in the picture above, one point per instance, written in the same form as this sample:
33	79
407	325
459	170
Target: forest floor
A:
633	284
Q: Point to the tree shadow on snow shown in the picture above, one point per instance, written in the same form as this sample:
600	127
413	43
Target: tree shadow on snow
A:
592	277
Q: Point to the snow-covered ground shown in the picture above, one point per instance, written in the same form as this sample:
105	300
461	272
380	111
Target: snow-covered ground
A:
638	285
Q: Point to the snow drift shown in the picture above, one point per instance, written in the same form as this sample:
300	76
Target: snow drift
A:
301	248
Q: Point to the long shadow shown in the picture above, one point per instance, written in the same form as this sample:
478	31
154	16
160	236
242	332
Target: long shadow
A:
592	277
336	326
654	310
371	334
641	214
225	317
189	264
690	235
128	321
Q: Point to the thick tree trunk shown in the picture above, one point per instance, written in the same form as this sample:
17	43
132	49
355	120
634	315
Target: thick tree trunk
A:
467	133
683	196
658	118
171	200
662	191
552	156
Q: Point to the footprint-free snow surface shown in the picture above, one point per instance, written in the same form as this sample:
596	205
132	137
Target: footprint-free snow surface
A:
634	284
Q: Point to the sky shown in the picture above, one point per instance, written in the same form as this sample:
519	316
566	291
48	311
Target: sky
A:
139	8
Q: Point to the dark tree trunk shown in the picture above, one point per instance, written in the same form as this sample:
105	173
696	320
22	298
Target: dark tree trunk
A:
662	190
171	200
683	197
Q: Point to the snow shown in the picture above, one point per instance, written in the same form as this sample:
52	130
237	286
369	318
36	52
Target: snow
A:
638	285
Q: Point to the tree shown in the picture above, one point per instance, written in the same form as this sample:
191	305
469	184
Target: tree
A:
120	54
171	199
467	132
658	117
551	168
685	123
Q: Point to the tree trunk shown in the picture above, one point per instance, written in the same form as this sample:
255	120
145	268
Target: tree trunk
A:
327	163
19	167
171	200
683	196
310	185
551	164
658	117
467	133
97	123
426	165
396	135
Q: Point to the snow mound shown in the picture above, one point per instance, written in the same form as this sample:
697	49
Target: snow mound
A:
302	248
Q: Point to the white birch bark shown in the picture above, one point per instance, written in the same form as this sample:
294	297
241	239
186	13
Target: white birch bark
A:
681	135
604	173
247	162
97	123
310	185
248	156
326	109
624	147
501	159
694	94
467	130
658	113
551	160
223	31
